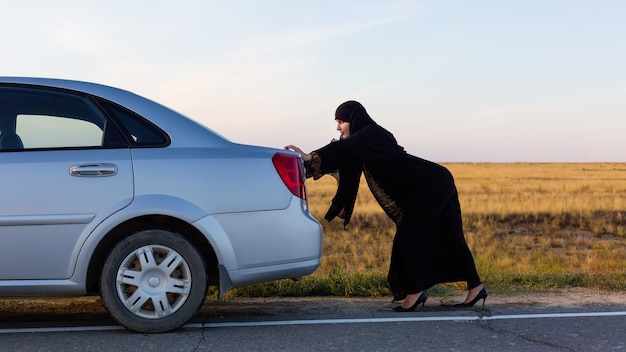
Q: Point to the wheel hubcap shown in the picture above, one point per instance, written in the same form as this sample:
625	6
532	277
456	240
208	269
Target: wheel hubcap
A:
153	281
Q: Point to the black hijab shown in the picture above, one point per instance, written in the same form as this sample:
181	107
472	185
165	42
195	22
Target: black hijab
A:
349	176
354	113
374	142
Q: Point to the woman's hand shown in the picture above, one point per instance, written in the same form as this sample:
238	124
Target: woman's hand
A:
305	156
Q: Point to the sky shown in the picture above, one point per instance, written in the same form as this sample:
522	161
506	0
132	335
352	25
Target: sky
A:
454	81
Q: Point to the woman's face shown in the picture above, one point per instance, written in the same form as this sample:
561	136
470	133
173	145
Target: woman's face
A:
344	128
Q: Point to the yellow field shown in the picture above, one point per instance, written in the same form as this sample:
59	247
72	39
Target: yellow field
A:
519	218
514	188
540	188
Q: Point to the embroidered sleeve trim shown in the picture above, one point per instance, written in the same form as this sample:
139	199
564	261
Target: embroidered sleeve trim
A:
316	165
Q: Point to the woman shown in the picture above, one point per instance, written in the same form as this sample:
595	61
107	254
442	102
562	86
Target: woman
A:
419	196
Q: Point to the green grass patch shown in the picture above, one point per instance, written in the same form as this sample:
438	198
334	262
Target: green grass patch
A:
374	284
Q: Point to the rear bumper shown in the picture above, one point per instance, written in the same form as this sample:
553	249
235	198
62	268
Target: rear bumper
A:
235	278
255	247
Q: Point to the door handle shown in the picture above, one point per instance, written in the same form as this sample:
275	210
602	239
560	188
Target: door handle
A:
94	170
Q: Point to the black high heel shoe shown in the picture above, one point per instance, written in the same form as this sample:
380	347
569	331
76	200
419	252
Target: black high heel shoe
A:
422	299
481	295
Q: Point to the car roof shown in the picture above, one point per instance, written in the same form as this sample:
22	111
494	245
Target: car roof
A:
183	131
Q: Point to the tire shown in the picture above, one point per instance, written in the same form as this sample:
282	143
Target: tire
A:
153	281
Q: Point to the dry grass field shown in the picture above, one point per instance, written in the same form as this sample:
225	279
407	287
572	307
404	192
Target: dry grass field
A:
528	224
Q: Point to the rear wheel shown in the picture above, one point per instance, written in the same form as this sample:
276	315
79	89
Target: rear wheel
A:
153	281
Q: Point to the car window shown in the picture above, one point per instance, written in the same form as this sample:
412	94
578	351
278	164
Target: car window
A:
138	131
33	118
44	131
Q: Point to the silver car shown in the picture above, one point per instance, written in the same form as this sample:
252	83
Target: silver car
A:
105	192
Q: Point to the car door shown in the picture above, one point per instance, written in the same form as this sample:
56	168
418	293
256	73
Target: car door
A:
63	169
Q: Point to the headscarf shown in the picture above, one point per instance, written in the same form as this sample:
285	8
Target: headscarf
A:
354	113
348	177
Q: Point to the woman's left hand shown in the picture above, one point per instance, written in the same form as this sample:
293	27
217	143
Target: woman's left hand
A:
305	156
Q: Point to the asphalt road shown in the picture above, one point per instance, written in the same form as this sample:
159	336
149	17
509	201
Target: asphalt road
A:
575	321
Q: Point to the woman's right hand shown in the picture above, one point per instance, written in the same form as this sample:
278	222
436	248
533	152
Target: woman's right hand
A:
305	156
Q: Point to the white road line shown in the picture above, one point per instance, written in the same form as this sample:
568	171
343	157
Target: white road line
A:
327	321
60	329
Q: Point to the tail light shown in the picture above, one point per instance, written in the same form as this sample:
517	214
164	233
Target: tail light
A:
288	167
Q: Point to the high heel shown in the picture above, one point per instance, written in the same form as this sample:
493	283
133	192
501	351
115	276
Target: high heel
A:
481	295
422	299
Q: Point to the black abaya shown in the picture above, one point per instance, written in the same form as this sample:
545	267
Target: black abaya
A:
420	196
